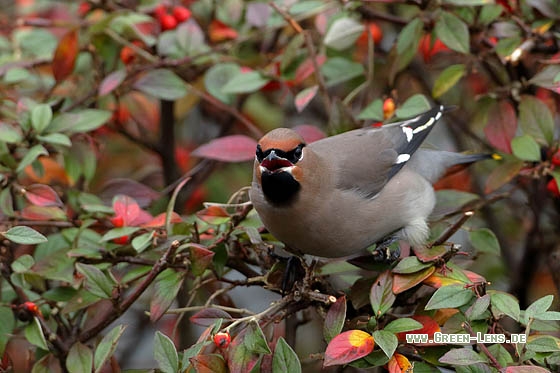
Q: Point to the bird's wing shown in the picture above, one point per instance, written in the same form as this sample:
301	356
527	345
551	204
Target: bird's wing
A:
365	159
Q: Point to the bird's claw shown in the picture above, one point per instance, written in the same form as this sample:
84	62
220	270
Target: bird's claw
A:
383	252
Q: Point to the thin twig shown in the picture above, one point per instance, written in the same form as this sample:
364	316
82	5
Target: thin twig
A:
454	228
493	361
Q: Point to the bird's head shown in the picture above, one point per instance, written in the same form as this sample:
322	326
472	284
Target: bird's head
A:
277	165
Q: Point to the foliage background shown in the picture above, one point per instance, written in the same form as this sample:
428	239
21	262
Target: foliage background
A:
109	117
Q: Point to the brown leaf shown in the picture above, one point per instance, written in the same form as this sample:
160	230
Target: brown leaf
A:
65	56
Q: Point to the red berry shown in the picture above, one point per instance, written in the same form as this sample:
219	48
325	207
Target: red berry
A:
32	308
123	240
127	55
181	13
167	22
118	221
222	339
552	187
556	158
160	11
388	108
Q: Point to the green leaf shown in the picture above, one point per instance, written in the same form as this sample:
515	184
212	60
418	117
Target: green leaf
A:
334	321
489	13
415	105
60	294
526	148
381	295
31	156
165	353
343	33
56	139
501	354
166	286
248	82
80	121
143	241
255	339
410	264
536	120
451	296
506	46
548	316
410	36
107	346
7	324
23	263
478	308
41	117
387	341
9	134
34	334
162	83
373	111
504	304
119	232
543	343
218	76
405	324
461	356
484	240
80	358
338	70
539	306
24	235
447	79
96	282
285	359
453	32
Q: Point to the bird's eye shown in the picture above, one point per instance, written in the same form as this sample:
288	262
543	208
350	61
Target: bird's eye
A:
259	153
297	153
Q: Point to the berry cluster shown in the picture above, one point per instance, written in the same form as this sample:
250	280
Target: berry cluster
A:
169	18
552	185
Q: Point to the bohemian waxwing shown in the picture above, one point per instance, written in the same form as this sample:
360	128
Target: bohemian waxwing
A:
337	196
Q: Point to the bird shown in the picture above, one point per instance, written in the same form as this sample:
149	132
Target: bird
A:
337	196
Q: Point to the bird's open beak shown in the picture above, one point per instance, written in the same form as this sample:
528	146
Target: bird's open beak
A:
274	163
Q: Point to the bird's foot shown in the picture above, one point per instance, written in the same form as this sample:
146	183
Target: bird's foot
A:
387	250
293	273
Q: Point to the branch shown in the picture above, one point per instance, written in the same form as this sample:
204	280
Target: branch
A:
118	310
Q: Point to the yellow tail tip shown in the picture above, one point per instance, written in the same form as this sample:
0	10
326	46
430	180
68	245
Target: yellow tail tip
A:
496	157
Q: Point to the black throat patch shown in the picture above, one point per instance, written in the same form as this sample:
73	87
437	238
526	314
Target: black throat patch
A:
279	188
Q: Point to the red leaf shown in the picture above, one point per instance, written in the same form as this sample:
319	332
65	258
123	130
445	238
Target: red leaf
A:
42	195
208	316
501	126
65	56
213	215
111	82
429	326
200	258
219	31
235	148
347	347
126	208
309	133
305	70
159	221
304	97
334	321
43	213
